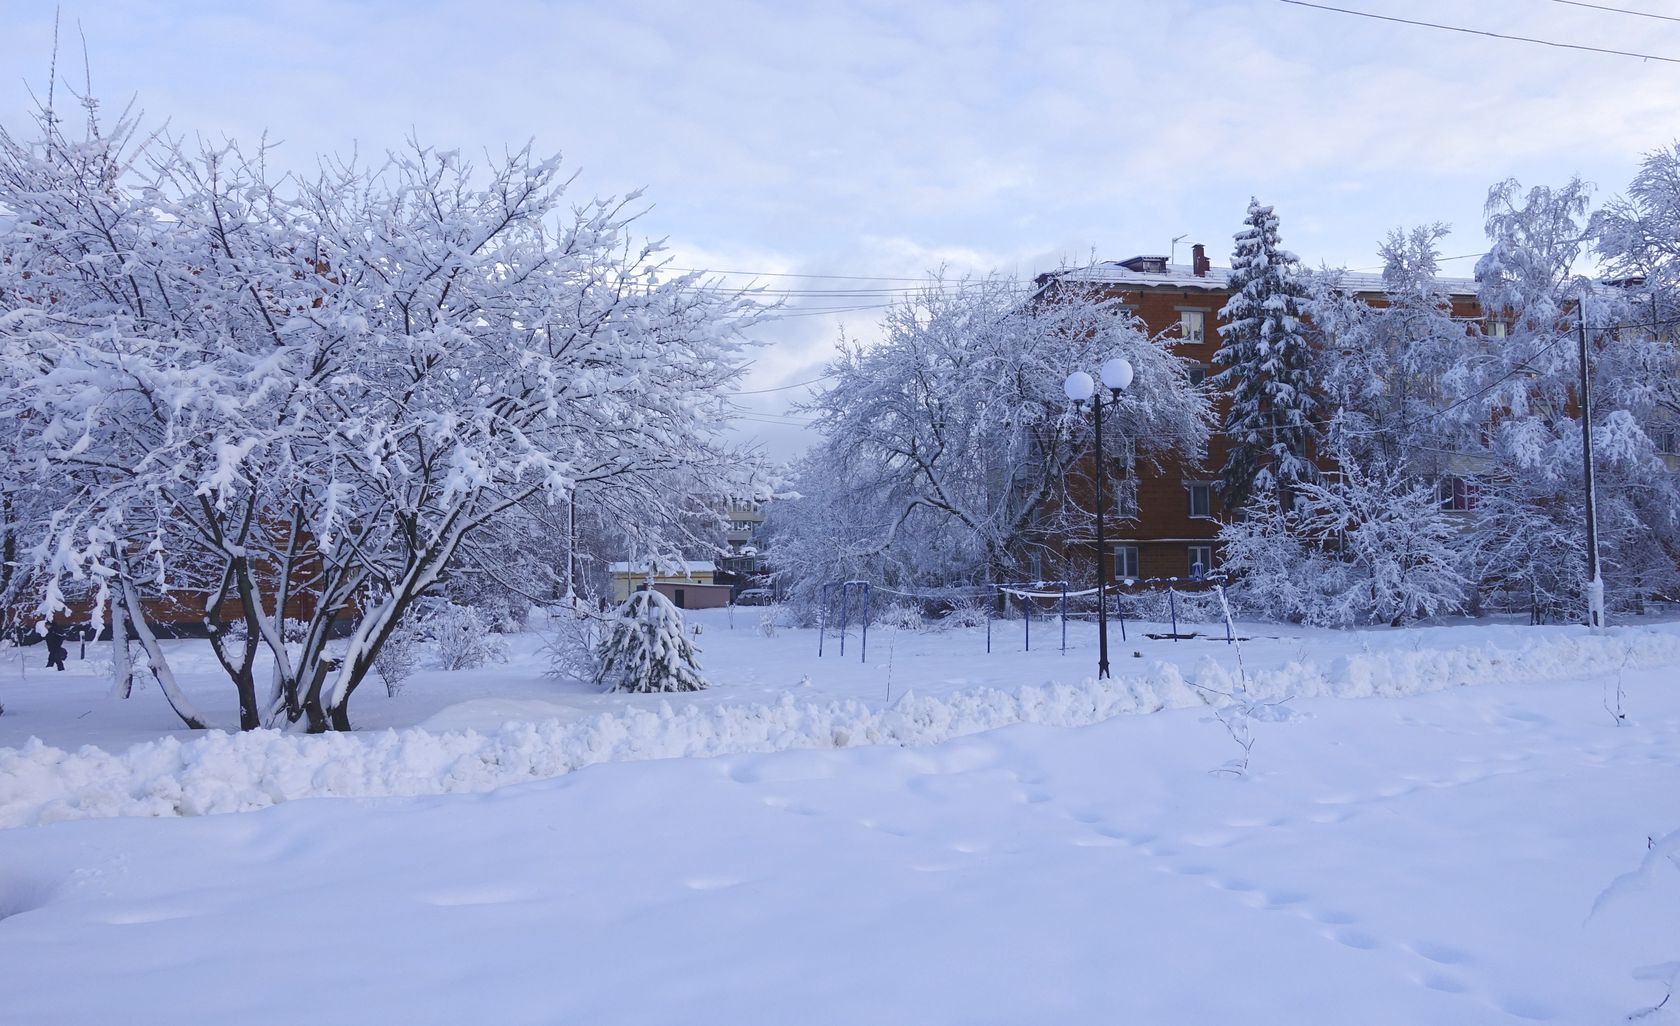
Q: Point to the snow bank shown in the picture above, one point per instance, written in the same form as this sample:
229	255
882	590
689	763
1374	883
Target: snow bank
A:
221	772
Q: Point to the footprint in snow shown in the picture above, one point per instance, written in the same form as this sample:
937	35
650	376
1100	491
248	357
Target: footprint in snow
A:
1526	1008
1440	954
1442	982
1357	939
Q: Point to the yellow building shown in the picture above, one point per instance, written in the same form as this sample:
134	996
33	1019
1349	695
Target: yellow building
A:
627	577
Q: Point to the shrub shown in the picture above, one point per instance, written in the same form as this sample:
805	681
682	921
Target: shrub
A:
462	638
901	617
399	657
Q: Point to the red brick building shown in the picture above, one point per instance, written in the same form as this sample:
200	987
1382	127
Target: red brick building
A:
1161	523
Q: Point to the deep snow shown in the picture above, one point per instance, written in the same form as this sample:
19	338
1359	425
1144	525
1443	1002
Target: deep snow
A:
1432	858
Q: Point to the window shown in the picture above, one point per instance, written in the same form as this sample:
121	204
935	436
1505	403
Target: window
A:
1125	499
1457	494
1201	560
1126	562
1201	498
1192	325
1495	327
1198	373
1667	438
1123	465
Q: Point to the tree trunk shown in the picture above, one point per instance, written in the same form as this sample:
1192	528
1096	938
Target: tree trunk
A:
313	711
249	717
121	669
159	663
339	717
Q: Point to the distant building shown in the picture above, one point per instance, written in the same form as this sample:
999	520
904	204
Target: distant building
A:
691	584
1162	523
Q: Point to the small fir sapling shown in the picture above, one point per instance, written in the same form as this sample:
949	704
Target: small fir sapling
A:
647	649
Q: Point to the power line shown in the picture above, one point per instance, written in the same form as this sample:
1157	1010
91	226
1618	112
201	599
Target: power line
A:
1618	10
1481	32
1439	260
783	388
779	316
790	274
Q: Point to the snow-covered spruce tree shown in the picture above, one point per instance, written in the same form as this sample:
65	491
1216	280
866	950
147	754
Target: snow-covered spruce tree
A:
1271	422
947	444
646	649
274	400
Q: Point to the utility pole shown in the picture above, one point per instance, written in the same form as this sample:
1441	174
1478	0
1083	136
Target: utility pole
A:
1595	582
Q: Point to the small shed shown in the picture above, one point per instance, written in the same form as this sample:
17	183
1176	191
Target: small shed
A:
629	577
694	596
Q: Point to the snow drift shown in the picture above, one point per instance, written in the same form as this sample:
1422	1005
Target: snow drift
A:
221	772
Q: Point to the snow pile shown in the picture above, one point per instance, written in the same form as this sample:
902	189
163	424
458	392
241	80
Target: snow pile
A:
221	772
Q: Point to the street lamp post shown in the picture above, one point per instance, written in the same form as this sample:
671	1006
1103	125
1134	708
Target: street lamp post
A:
1116	376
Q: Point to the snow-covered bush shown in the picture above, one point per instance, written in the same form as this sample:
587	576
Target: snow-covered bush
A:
768	622
1156	606
399	657
646	649
573	643
462	638
901	617
1372	546
965	614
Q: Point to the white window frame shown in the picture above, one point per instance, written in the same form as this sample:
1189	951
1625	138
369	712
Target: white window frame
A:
1124	554
1190	489
1207	564
1456	494
1192	325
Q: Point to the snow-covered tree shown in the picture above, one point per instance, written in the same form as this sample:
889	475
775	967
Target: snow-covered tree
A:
1272	421
1638	237
1370	544
646	649
1528	406
947	445
1388	369
313	402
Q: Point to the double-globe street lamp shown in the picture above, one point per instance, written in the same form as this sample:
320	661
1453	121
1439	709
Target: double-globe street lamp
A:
1116	376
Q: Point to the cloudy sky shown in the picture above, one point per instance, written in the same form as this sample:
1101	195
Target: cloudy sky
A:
879	141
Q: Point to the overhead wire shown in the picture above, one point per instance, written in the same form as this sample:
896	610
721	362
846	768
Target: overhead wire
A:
783	388
1481	32
1618	10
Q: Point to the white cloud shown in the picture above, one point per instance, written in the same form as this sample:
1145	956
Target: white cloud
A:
884	138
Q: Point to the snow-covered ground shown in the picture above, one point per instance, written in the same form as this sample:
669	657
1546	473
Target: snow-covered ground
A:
998	840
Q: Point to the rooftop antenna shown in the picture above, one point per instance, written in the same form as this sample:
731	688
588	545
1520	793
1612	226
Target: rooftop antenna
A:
1172	253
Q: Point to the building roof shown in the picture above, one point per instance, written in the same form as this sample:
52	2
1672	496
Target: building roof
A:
1183	278
690	567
